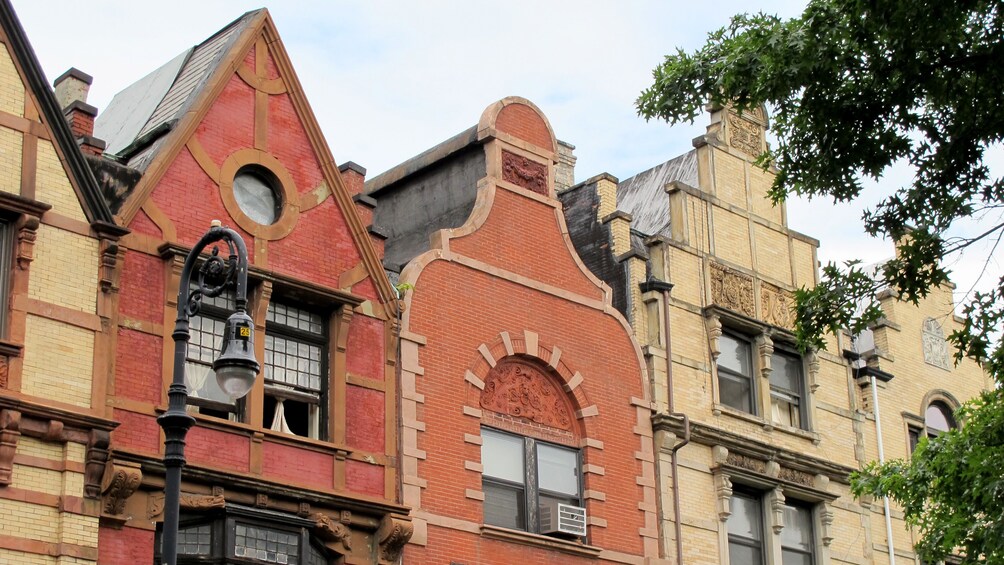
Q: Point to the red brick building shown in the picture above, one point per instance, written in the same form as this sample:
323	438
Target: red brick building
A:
522	386
304	469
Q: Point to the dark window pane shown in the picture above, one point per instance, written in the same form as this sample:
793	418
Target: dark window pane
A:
734	391
914	438
557	470
195	540
789	557
266	544
744	554
504	506
735	355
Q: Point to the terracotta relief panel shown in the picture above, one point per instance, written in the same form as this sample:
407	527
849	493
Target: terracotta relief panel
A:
521	390
732	289
524	172
778	306
745	135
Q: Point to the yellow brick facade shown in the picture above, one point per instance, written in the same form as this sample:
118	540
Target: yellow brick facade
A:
733	264
46	515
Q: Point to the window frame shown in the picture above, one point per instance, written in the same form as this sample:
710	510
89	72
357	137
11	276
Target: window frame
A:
531	477
761	544
781	350
753	395
237	410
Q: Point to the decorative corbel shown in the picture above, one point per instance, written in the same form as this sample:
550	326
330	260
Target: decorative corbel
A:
27	232
394	532
111	254
120	481
97	457
723	495
825	521
10	431
813	359
714	325
335	535
777	510
766	348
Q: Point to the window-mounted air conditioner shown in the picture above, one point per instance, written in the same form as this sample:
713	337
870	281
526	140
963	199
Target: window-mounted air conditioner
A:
565	519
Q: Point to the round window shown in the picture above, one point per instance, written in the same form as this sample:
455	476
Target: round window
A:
257	194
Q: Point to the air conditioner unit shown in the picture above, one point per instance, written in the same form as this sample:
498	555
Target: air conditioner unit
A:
558	518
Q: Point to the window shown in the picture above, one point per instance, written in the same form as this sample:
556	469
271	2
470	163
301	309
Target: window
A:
938	419
750	536
735	373
786	389
522	475
257	196
295	370
206	338
745	527
245	535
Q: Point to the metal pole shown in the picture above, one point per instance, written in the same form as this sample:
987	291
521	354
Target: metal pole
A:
176	421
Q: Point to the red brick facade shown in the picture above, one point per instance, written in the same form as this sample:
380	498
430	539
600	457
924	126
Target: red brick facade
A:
316	256
505	329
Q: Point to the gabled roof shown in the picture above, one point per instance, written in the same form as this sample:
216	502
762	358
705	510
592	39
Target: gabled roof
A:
644	195
80	175
137	120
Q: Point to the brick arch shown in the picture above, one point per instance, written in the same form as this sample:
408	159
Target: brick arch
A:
498	361
521	119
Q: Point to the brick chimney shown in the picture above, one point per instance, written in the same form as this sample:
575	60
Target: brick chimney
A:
354	177
71	90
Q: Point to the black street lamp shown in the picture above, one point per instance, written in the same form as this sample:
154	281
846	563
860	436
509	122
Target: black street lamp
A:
236	367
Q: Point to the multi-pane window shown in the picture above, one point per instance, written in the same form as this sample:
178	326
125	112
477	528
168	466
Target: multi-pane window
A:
796	536
522	475
295	367
937	420
735	373
786	389
206	338
745	527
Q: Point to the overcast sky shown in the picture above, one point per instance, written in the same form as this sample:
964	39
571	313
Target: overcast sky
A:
388	80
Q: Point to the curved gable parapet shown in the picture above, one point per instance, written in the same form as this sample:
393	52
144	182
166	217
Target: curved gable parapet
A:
520	119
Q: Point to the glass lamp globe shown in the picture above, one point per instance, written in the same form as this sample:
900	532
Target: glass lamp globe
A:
236	367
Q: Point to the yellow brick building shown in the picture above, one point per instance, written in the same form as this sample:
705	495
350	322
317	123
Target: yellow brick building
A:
756	441
55	236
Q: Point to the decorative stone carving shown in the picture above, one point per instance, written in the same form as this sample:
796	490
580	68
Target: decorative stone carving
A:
723	495
261	500
777	305
813	358
10	431
777	510
825	521
714	324
732	289
797	477
4	371
519	389
766	350
154	505
110	255
392	535
524	172
935	346
203	502
97	457
120	482
26	235
336	535
745	135
748	463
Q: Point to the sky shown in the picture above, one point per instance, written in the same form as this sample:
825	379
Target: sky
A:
389	79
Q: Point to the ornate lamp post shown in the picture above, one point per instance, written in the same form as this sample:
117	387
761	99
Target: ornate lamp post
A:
236	367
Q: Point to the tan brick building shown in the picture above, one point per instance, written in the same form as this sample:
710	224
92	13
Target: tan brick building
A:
55	237
755	440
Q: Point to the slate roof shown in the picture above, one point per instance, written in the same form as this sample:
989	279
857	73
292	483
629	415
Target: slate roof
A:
644	195
137	118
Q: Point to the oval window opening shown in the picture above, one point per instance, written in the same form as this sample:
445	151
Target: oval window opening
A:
256	191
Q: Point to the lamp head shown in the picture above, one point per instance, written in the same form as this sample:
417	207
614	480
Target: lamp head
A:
236	367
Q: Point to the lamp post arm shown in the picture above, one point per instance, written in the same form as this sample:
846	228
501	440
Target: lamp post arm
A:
176	421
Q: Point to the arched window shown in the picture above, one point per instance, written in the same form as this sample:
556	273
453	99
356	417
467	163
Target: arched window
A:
938	419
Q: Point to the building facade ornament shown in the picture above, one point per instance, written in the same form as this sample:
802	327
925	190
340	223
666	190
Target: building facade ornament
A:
524	172
519	389
336	535
777	306
935	346
732	289
10	431
393	534
745	135
120	482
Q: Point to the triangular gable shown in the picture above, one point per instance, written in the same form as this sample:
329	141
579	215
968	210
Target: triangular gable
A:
51	117
258	40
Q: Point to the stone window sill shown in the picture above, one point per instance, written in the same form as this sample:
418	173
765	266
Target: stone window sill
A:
536	540
719	409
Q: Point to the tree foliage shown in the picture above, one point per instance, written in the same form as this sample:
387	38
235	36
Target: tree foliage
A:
855	87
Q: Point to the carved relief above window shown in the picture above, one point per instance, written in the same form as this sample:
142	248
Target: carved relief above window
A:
519	389
524	172
732	289
745	135
935	346
778	306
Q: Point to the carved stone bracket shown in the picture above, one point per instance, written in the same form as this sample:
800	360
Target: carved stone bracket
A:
393	534
766	349
26	234
777	509
336	535
813	359
4	371
10	431
714	324
97	457
723	495
111	255
119	483
825	522
524	172
732	289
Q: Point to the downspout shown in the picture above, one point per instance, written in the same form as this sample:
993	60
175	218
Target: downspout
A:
881	454
666	287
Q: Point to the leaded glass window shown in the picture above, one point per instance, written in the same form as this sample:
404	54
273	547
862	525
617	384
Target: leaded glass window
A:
295	370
